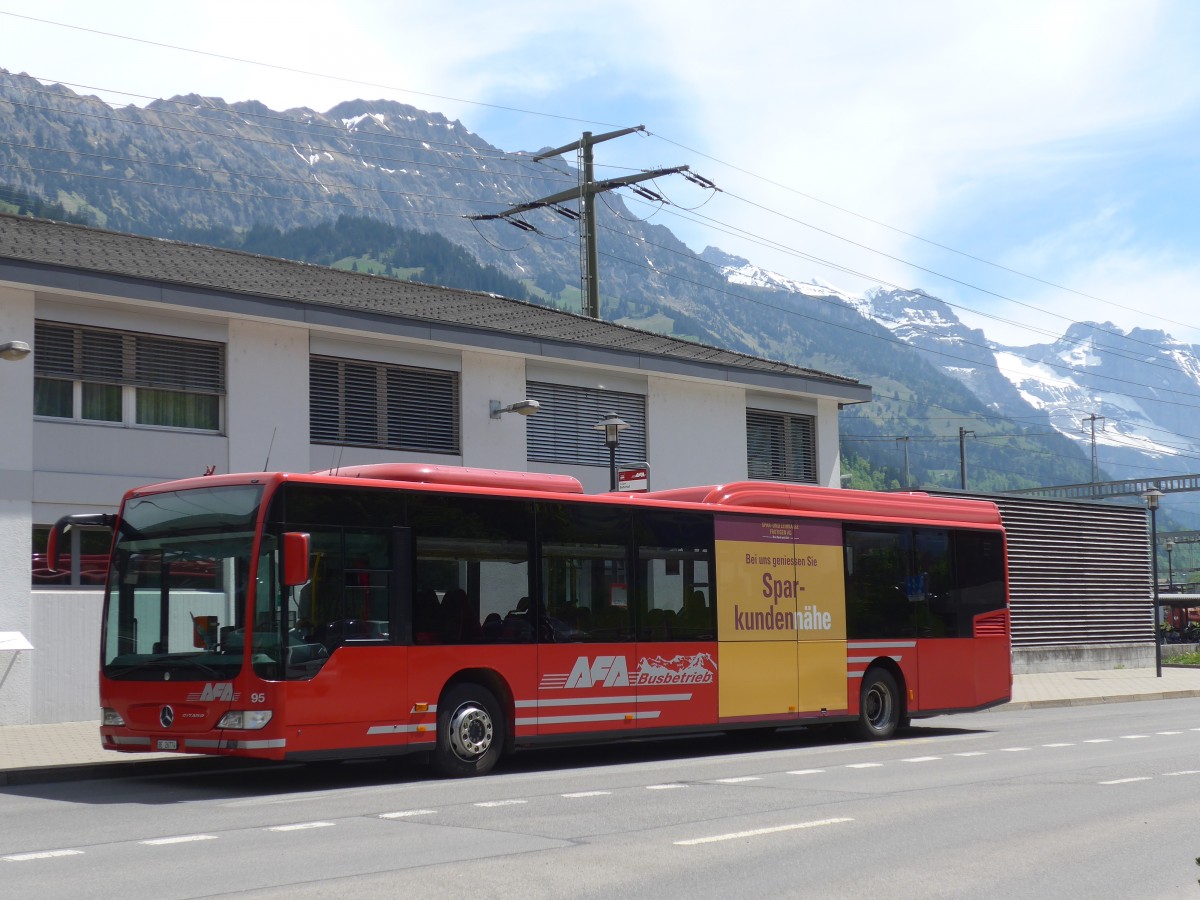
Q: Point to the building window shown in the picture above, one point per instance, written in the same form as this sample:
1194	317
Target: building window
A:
82	562
781	446
100	375
366	404
563	431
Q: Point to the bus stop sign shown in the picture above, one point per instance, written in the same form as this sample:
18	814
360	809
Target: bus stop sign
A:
633	478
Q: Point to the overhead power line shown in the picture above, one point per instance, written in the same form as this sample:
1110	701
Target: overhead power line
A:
585	194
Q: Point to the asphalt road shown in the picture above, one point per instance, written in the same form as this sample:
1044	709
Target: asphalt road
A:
1097	802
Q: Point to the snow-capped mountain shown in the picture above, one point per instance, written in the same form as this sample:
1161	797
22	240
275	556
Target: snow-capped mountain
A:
1142	385
1136	391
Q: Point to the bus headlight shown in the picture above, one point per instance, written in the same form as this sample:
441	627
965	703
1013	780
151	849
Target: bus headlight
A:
245	719
111	717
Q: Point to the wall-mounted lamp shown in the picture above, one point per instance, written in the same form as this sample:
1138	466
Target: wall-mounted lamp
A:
524	407
14	350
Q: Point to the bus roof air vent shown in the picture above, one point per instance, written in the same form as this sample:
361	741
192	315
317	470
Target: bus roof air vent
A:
462	476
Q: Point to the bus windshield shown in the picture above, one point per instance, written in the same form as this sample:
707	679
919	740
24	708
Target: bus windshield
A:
175	604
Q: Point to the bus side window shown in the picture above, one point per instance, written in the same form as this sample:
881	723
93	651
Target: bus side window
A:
585	574
674	553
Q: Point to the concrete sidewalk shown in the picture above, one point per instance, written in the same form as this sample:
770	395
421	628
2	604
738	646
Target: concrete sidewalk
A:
72	751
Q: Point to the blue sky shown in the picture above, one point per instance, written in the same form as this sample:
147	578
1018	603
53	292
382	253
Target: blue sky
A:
1054	140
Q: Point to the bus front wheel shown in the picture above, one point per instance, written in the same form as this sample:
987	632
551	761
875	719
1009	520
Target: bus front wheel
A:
879	706
470	731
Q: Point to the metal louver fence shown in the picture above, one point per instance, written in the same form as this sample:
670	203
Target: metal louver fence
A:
1079	573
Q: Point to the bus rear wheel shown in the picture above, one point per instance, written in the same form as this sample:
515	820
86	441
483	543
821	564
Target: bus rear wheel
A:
470	732
879	706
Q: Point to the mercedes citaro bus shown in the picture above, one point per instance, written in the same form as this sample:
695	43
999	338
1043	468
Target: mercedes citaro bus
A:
463	613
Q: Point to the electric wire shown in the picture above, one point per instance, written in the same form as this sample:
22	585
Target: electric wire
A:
305	72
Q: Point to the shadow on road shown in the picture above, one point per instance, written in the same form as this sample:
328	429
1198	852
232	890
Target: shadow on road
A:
204	778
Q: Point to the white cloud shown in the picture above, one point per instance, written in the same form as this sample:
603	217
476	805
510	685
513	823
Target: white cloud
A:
927	115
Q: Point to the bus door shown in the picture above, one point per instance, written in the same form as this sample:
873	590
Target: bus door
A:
342	656
586	653
676	674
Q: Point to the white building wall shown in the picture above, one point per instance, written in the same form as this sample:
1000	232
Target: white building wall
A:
696	433
266	407
16	505
829	449
66	658
88	468
489	443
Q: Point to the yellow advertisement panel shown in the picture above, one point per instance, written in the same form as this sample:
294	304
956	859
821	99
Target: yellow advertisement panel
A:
780	580
822	676
757	679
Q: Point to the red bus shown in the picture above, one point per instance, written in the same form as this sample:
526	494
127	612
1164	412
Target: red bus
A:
389	609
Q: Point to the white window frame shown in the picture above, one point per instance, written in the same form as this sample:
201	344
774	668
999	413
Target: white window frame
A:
140	366
783	461
440	428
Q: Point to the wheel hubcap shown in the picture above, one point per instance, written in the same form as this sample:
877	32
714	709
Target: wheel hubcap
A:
470	731
878	706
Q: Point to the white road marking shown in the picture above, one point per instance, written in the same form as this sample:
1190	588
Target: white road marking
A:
1013	749
1184	772
406	813
1133	737
920	759
1126	780
181	839
758	832
807	772
864	765
973	753
587	794
488	804
1058	745
665	787
301	826
1164	733
737	780
1098	741
44	854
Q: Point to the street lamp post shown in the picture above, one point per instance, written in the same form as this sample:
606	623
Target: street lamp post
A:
612	426
1170	545
1151	498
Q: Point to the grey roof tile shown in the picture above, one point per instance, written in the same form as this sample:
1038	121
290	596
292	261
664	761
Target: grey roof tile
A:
161	261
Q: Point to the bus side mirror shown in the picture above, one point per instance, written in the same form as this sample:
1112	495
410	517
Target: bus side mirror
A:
295	558
59	531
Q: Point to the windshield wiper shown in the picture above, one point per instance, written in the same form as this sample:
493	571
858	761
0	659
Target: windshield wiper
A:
168	662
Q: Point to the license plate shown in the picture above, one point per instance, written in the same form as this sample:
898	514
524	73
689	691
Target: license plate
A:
167	745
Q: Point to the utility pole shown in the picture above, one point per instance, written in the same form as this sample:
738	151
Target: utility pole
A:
905	440
586	194
962	455
1093	418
